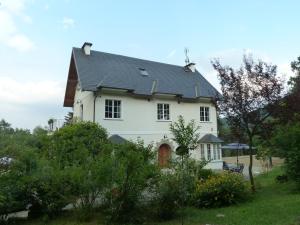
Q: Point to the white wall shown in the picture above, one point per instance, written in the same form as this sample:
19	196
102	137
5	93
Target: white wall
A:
139	117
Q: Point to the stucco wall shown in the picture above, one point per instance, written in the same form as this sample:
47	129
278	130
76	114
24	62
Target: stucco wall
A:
139	117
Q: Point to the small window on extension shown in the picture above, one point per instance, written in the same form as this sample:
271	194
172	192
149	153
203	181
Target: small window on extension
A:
143	71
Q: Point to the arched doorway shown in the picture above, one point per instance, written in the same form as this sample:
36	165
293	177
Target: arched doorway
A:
164	155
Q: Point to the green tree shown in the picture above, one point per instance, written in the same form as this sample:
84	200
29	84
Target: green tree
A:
76	143
132	172
185	135
287	143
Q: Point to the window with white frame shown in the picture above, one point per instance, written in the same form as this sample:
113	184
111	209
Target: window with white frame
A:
215	151
112	109
208	152
202	154
163	111
219	152
204	114
81	112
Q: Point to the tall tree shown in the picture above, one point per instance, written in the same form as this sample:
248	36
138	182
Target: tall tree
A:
288	111
249	94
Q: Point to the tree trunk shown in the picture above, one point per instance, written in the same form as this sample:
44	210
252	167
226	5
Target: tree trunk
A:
250	165
271	161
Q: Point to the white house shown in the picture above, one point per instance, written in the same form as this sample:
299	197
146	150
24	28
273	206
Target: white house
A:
135	98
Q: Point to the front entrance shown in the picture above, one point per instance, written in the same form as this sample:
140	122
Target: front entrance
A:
164	155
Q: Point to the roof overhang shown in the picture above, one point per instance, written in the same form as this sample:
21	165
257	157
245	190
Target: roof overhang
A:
71	84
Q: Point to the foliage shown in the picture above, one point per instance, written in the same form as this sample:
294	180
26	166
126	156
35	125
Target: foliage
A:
185	135
132	172
167	196
88	182
221	190
68	118
287	142
75	143
249	95
49	190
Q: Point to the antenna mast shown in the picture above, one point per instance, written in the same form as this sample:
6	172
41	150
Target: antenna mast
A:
187	59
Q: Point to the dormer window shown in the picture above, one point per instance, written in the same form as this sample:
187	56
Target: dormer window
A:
143	71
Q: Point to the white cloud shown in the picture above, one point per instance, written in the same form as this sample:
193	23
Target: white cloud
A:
233	57
171	54
47	6
15	92
68	22
20	42
9	35
14	6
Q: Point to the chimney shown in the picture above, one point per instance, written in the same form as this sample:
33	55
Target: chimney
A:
86	47
190	67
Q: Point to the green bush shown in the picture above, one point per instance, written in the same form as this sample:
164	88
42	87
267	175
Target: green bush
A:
131	174
204	174
49	190
167	198
287	143
221	190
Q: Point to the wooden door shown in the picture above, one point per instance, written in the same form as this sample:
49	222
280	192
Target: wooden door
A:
164	155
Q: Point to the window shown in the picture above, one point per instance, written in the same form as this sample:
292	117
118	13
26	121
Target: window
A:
219	152
204	114
81	112
143	71
112	109
215	151
208	152
163	111
202	154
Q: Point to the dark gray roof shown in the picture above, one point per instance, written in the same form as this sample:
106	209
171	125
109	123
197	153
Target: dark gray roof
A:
116	139
105	70
210	138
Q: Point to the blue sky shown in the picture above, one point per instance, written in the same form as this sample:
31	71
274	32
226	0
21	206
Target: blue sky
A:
36	37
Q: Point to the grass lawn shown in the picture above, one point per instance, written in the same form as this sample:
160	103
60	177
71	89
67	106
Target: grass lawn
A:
274	203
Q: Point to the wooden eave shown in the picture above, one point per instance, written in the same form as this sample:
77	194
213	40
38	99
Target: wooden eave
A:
71	84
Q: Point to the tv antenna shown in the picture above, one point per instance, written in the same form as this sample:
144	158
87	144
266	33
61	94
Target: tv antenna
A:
187	59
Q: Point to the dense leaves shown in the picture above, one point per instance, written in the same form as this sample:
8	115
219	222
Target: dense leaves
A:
221	190
287	143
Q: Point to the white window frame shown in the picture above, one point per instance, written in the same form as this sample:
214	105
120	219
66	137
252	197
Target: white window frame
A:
215	152
202	152
113	112
164	115
219	152
204	114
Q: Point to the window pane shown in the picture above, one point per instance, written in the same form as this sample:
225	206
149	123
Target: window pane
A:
215	152
208	152
112	108
163	111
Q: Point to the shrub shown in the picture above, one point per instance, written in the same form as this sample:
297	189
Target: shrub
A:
204	174
221	190
287	142
167	199
75	143
49	190
131	175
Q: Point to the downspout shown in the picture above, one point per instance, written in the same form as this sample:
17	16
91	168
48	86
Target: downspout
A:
94	114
